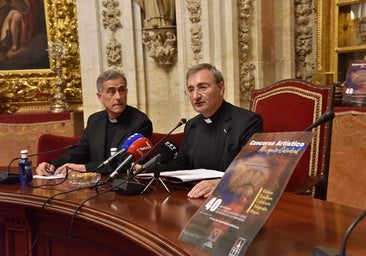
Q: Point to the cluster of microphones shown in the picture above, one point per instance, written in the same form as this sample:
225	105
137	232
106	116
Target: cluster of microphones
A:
136	149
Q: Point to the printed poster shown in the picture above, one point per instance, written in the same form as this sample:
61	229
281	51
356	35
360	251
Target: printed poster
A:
228	221
355	85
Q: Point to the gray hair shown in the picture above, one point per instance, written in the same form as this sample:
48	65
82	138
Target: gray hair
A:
214	71
108	75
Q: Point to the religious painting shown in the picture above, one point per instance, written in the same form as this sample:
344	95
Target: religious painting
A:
23	40
28	72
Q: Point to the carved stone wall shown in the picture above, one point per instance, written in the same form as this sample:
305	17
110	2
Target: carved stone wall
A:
251	42
305	31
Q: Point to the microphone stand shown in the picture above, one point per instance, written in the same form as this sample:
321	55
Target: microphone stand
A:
156	177
126	187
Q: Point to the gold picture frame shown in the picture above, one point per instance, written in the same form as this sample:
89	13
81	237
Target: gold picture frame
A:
32	86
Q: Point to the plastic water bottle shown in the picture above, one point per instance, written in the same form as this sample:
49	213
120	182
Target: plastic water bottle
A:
25	167
113	164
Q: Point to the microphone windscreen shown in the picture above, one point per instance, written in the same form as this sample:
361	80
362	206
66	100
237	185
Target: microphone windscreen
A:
138	148
182	121
127	143
168	152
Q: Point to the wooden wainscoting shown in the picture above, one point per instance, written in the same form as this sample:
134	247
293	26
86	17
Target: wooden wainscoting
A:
21	131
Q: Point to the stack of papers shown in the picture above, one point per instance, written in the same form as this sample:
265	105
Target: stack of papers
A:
185	175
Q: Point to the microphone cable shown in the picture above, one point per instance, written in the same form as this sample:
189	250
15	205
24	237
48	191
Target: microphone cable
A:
129	178
94	186
112	188
57	183
348	232
48	200
40	153
35	154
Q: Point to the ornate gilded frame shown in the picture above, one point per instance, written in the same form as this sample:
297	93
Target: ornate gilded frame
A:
24	90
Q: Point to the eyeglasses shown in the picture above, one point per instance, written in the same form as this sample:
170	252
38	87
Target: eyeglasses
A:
201	88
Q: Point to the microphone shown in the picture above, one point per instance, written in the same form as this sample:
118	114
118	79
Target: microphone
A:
136	150
129	186
180	123
152	162
166	152
10	178
123	149
326	117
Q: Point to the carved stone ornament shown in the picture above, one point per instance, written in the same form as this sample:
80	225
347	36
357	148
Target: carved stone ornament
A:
27	89
111	20
247	82
305	60
194	9
162	45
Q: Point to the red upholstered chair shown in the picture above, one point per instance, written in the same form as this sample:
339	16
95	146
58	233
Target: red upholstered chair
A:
293	105
49	142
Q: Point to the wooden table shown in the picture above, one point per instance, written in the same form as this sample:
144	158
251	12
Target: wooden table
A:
113	224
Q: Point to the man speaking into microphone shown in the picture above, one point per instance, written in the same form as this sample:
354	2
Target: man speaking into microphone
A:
213	138
104	130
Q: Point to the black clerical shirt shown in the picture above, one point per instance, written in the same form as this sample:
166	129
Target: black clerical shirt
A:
213	143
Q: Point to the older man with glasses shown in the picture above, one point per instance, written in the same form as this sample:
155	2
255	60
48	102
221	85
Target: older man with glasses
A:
213	138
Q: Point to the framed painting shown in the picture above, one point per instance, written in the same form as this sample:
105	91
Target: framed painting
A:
28	70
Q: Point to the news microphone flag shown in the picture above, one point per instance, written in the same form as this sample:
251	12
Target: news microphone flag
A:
134	152
127	143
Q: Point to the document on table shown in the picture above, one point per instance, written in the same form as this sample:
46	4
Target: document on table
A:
181	176
51	177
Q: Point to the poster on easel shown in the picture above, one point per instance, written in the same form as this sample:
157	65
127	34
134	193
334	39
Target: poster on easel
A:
229	219
354	88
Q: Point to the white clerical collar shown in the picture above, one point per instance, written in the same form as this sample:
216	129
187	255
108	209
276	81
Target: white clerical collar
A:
207	120
113	120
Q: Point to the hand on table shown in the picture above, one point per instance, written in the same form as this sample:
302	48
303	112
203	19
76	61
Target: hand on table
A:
203	188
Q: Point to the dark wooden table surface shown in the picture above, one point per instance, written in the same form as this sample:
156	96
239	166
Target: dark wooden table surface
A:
110	224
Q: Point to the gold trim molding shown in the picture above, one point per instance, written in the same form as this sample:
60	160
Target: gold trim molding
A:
23	90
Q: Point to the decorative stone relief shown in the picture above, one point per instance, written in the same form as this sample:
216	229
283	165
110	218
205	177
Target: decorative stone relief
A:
162	45
247	82
112	22
158	13
194	9
159	32
305	59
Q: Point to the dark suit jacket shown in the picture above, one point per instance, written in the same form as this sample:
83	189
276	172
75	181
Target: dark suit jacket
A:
90	149
204	148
